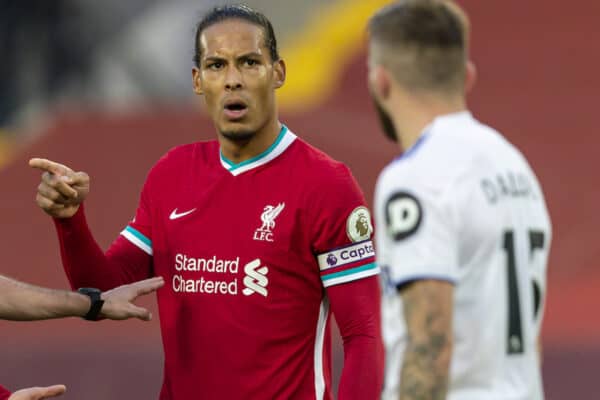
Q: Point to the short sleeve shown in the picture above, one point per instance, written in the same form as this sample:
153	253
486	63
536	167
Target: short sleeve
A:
421	240
342	230
139	231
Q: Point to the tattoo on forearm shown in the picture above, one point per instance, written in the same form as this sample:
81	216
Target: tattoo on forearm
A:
424	373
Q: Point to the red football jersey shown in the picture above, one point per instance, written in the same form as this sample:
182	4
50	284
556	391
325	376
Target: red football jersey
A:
248	251
4	393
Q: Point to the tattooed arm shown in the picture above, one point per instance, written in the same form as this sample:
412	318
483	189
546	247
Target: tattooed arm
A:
428	314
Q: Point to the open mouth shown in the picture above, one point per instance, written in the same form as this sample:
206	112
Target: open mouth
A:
235	109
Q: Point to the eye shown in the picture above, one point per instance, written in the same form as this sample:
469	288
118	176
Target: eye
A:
216	65
250	62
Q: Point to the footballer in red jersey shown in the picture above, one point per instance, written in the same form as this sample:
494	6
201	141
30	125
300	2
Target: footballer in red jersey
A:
259	236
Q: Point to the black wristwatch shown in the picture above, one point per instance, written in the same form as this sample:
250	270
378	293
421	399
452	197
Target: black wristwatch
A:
97	302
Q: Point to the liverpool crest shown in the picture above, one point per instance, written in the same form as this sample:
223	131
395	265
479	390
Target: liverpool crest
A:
265	232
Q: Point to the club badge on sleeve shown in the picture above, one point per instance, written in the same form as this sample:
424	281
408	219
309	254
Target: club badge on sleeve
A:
403	215
358	224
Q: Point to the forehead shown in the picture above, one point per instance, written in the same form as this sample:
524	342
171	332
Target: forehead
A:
231	37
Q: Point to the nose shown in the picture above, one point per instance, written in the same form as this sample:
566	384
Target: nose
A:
233	79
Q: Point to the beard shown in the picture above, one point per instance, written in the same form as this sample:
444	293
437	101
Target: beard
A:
238	136
386	122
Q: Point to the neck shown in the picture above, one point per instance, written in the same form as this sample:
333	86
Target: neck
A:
416	112
242	150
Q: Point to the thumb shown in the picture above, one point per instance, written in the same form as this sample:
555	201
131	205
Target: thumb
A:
78	179
140	313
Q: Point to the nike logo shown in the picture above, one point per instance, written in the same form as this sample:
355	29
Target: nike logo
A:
176	215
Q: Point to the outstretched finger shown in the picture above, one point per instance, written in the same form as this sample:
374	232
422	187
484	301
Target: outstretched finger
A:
55	390
39	393
148	285
49	166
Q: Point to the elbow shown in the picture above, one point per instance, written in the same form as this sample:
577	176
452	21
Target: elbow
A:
434	351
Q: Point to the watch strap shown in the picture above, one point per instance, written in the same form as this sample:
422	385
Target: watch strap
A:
96	303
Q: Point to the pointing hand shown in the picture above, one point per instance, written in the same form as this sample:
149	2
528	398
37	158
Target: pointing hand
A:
61	190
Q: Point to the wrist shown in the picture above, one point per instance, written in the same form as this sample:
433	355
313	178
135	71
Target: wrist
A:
77	219
96	303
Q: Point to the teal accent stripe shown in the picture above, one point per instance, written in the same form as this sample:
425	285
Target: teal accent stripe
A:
226	160
233	166
139	235
350	271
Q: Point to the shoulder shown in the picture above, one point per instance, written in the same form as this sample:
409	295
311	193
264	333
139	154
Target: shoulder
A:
329	186
448	153
182	155
181	158
320	168
438	171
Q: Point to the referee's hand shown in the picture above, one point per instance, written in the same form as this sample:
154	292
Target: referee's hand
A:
118	302
38	393
61	190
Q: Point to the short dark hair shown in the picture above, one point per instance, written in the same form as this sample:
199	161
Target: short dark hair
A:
424	43
236	11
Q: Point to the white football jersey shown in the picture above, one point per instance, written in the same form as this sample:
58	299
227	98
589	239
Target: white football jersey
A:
463	205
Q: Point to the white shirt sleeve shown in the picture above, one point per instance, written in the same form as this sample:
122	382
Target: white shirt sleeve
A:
420	233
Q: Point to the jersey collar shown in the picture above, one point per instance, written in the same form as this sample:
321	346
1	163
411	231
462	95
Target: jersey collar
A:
283	141
458	116
442	119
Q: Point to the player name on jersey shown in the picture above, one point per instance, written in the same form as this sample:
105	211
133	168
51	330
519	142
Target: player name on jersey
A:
507	185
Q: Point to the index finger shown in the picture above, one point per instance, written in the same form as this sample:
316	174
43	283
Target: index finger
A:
52	391
148	285
49	166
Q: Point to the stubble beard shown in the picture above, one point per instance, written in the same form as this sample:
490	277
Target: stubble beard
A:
243	136
387	124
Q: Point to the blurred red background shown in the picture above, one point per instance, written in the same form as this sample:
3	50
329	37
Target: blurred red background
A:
538	84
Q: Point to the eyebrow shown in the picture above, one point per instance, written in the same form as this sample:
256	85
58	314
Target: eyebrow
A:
243	56
212	58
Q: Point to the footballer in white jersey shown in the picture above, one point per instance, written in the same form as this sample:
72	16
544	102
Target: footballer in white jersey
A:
462	230
463	205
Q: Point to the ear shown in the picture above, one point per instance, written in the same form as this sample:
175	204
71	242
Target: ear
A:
279	71
470	76
197	81
381	82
